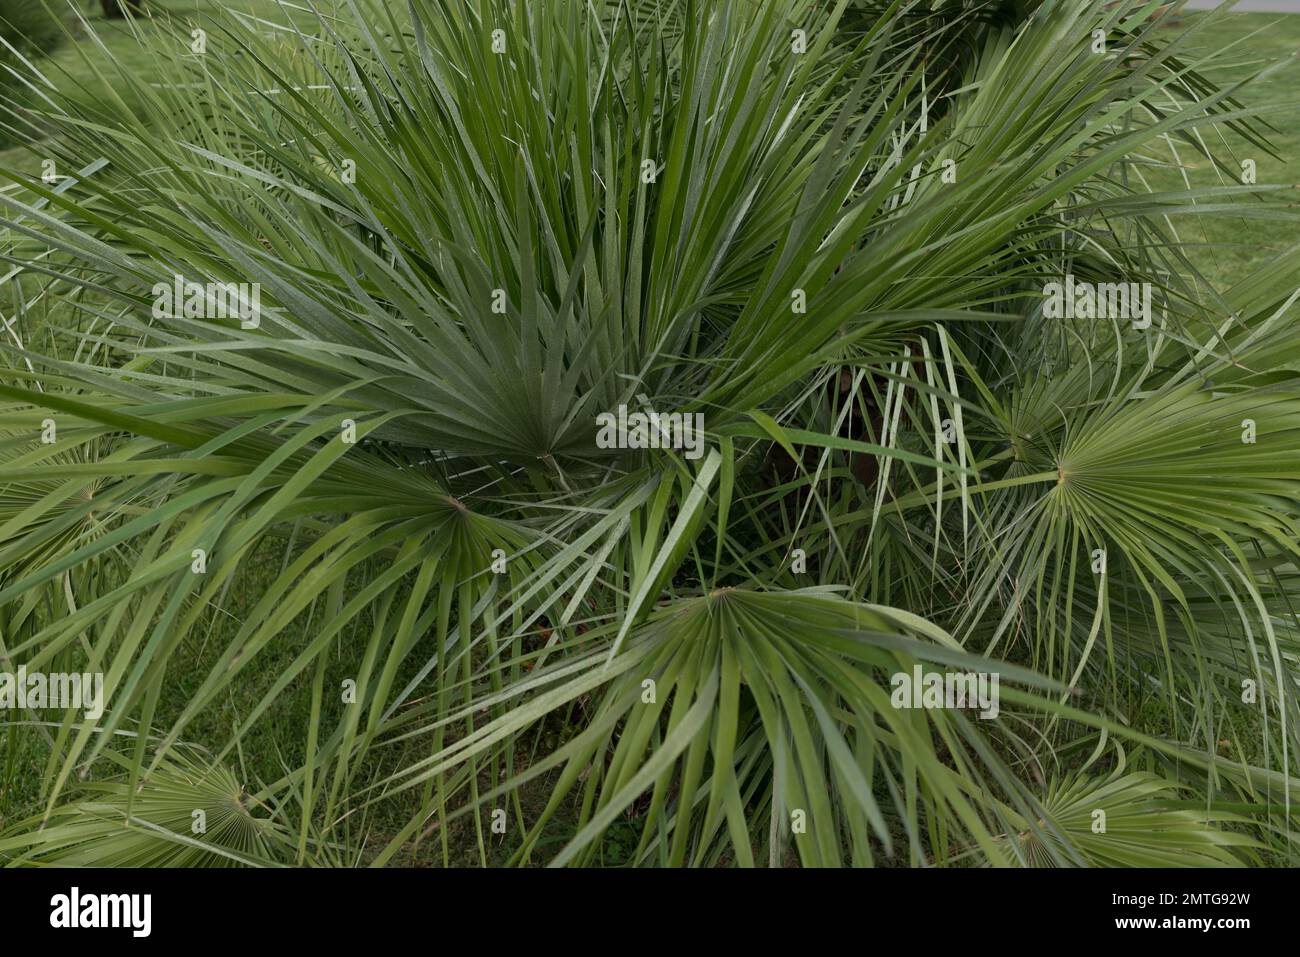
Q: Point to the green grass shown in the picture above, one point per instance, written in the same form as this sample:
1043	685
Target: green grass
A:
82	67
1234	247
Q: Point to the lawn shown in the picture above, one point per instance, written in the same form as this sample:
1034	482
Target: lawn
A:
83	65
1254	42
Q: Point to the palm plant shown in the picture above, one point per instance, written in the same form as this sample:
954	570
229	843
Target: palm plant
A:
28	29
26	26
365	588
118	8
